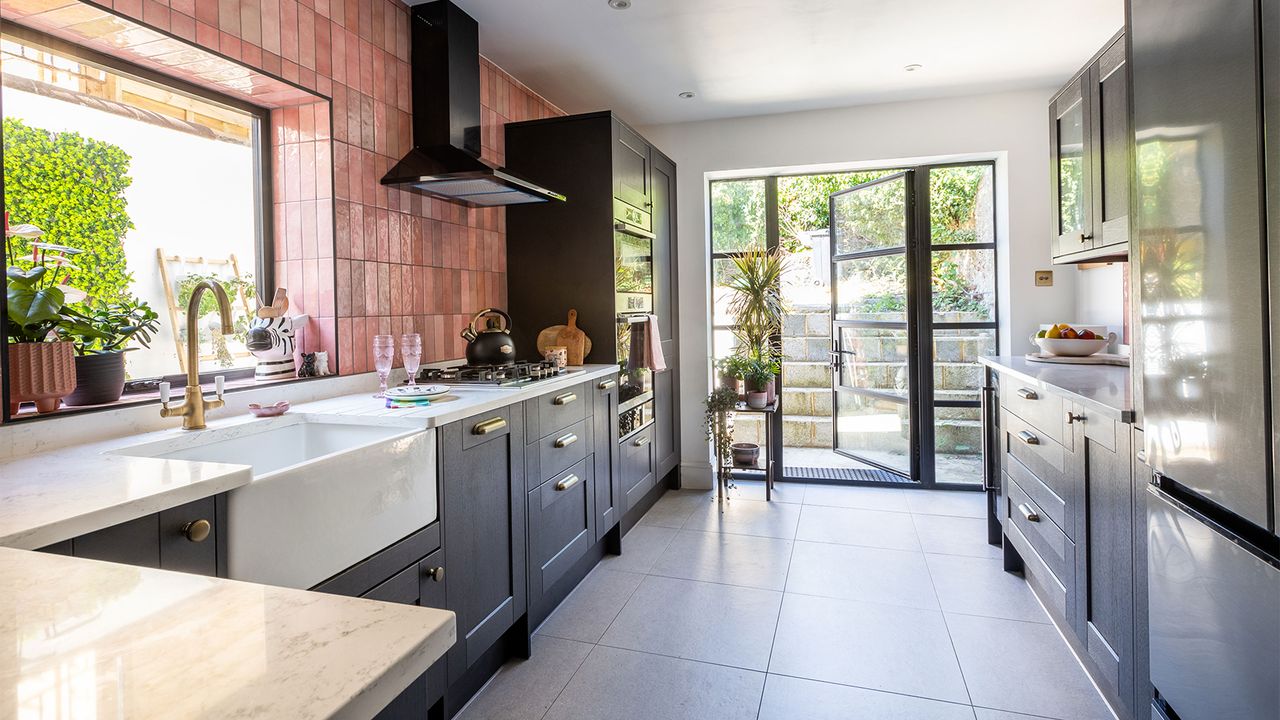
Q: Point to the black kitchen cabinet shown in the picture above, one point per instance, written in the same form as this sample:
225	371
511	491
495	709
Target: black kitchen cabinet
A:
187	538
483	498
666	385
1090	146
638	466
562	524
666	416
633	171
608	479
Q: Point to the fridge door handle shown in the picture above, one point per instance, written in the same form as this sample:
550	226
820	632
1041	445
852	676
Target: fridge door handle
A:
990	462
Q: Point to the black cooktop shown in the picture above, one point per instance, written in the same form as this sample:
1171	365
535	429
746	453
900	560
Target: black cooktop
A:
517	373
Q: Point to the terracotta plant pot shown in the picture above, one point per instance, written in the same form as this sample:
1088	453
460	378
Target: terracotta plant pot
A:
99	379
745	454
41	372
757	400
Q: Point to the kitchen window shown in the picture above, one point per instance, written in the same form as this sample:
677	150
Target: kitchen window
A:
159	183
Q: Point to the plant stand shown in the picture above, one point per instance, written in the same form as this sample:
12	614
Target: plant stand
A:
766	467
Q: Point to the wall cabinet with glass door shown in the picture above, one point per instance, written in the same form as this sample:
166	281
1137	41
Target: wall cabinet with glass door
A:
1090	149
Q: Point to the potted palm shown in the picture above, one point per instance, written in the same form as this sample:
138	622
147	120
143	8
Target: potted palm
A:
41	364
757	309
100	354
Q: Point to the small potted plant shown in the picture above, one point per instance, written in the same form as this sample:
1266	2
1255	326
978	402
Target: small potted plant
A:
758	376
732	369
41	364
100	354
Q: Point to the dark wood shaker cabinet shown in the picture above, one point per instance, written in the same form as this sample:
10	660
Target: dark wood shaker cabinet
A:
632	170
608	478
666	385
483	499
1090	149
187	538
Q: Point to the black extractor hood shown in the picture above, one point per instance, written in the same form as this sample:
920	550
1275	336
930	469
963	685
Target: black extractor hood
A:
445	159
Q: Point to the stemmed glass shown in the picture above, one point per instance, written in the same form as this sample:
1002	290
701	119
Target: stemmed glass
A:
411	354
384	355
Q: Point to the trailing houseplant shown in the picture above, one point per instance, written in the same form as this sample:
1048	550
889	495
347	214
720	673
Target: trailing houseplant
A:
719	404
41	364
99	359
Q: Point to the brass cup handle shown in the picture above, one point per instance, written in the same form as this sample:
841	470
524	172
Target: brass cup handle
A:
564	399
1028	394
1028	437
436	573
487	426
566	440
197	530
567	482
641	442
1028	513
605	384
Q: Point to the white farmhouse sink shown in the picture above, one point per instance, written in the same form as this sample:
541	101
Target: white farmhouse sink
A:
326	493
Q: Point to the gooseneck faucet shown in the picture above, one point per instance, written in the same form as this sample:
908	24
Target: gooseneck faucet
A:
194	405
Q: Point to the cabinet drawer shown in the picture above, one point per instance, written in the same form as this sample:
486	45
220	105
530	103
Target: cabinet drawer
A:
556	411
561	524
1042	581
486	427
638	467
1044	411
1036	450
1050	543
563	448
1049	499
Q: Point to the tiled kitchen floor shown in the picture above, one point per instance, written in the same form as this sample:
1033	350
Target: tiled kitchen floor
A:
828	603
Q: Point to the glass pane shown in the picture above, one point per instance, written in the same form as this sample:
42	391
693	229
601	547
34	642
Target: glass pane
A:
960	205
964	286
737	215
956	372
872	289
872	218
957	445
874	429
722	270
724	343
875	359
1071	170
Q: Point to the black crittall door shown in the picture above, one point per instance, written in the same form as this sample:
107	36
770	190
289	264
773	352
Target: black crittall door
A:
913	306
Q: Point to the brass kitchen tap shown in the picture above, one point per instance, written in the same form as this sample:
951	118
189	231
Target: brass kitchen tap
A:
194	405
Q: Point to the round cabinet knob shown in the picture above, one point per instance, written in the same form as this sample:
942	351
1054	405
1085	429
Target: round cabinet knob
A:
436	573
197	530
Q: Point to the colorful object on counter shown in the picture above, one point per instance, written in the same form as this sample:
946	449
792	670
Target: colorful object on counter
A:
308	367
573	339
272	338
393	402
411	355
384	356
1065	340
416	392
557	355
266	411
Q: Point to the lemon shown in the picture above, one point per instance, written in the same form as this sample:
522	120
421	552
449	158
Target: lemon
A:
1054	332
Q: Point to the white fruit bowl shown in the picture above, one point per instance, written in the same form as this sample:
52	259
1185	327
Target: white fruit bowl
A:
1071	348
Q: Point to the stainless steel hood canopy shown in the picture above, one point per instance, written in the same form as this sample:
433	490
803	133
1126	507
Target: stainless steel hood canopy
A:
445	159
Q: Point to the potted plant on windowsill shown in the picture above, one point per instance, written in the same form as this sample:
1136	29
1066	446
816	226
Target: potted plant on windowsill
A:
100	356
41	365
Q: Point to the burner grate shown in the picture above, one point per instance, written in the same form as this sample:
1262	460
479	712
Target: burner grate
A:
519	373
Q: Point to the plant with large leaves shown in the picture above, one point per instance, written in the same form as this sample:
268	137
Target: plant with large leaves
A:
38	303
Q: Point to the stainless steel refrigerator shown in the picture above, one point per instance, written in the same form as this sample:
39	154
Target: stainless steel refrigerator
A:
1206	105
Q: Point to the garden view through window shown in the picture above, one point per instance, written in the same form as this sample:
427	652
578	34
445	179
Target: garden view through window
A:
158	188
955	314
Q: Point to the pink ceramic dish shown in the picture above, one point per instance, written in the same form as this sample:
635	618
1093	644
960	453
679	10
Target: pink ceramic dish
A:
276	410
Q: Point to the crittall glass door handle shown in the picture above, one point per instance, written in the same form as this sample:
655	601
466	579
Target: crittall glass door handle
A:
488	426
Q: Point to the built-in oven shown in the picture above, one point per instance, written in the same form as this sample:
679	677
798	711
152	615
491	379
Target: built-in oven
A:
635	389
633	269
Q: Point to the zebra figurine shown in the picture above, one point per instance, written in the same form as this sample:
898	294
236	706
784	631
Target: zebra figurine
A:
272	339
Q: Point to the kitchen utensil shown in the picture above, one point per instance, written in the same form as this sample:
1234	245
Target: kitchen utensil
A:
573	339
1073	347
384	355
411	355
414	392
491	345
547	340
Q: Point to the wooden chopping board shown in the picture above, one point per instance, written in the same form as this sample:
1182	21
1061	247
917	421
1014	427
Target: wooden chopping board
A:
548	338
574	339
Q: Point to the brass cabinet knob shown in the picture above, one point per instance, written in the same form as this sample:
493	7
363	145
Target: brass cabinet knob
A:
436	573
197	530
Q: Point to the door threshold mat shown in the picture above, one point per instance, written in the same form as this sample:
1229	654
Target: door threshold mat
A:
867	475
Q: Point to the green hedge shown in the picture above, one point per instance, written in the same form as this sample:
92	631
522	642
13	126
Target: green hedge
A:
72	187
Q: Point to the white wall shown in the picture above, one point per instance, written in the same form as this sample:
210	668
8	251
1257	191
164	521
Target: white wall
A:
1010	128
1100	296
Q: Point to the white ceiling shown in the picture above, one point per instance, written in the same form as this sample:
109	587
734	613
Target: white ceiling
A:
753	57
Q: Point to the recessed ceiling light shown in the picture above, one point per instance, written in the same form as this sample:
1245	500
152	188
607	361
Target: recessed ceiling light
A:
619	4
913	67
687	95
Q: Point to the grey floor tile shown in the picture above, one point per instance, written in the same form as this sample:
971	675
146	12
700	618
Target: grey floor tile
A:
787	698
758	562
675	507
709	622
948	502
592	606
1050	681
980	586
989	714
525	689
879	647
782	492
948	535
867	498
748	517
852	526
640	548
624	685
851	572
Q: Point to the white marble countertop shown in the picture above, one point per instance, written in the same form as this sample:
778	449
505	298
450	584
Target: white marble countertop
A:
1104	388
89	639
67	491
